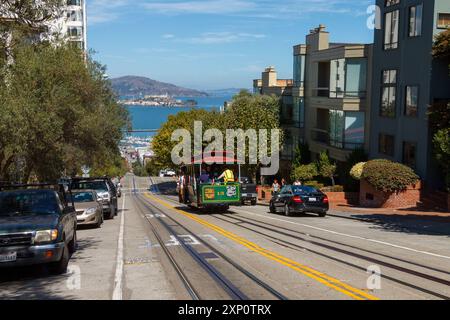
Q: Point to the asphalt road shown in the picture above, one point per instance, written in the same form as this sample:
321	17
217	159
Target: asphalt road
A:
157	249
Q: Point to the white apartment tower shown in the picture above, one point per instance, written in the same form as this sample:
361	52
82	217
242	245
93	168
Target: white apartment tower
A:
73	23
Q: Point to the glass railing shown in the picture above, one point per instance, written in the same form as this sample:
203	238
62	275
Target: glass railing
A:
324	137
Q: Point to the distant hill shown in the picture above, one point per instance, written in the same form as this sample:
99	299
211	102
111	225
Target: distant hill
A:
225	92
134	86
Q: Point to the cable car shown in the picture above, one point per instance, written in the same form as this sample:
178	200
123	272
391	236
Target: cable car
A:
200	186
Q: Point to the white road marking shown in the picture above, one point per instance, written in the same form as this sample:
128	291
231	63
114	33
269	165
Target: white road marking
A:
117	294
347	235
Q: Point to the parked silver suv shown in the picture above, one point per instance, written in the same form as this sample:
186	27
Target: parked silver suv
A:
105	189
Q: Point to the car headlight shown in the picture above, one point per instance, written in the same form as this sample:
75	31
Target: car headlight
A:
90	211
105	196
46	236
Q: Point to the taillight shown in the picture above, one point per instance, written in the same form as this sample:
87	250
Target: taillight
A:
325	200
298	199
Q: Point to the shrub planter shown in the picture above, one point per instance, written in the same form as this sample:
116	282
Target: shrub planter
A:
372	198
343	198
264	193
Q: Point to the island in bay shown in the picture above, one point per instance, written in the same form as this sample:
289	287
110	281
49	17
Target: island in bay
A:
159	101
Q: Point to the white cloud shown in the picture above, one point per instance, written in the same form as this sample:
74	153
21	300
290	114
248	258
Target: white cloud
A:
221	38
253	8
202	7
101	11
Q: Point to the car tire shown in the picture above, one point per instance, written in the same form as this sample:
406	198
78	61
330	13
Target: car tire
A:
99	222
73	245
254	202
287	211
272	208
60	267
323	214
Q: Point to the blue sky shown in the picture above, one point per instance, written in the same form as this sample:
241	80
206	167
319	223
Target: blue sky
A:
214	44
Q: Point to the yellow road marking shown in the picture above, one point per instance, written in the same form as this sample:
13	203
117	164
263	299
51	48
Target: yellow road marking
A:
305	270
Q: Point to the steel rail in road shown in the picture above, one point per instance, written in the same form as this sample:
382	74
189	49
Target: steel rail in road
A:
255	223
236	265
184	279
233	292
279	230
320	277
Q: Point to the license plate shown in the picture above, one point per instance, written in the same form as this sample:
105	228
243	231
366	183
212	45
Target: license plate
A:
10	257
312	199
244	194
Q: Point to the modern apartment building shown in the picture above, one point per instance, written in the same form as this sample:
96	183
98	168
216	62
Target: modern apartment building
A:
72	24
269	84
326	104
407	80
337	87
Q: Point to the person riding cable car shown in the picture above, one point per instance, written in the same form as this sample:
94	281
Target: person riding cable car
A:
227	176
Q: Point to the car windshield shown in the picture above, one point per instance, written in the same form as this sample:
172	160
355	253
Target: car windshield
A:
99	186
79	197
246	180
304	190
25	203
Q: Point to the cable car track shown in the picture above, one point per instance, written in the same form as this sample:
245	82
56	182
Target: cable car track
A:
219	278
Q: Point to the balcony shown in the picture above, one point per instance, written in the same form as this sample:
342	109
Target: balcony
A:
339	94
324	137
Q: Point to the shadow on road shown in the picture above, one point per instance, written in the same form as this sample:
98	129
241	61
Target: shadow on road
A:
36	282
413	224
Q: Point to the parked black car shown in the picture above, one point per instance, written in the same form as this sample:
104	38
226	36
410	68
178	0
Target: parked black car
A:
105	189
248	191
300	199
38	225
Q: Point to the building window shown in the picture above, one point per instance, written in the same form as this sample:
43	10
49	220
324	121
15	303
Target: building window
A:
389	93
389	3
75	31
356	78
299	70
412	101
415	20
443	20
391	24
75	15
337	78
409	154
386	144
299	112
354	130
336	125
74	2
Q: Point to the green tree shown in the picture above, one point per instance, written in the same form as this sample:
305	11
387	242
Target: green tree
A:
441	143
441	46
162	143
246	111
305	172
439	113
326	168
302	155
57	112
257	112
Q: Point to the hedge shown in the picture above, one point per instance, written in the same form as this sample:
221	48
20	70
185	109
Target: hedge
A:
388	176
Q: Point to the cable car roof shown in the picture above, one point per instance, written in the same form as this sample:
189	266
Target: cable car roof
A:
218	157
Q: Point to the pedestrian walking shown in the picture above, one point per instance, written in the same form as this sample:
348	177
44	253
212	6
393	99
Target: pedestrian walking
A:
275	187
